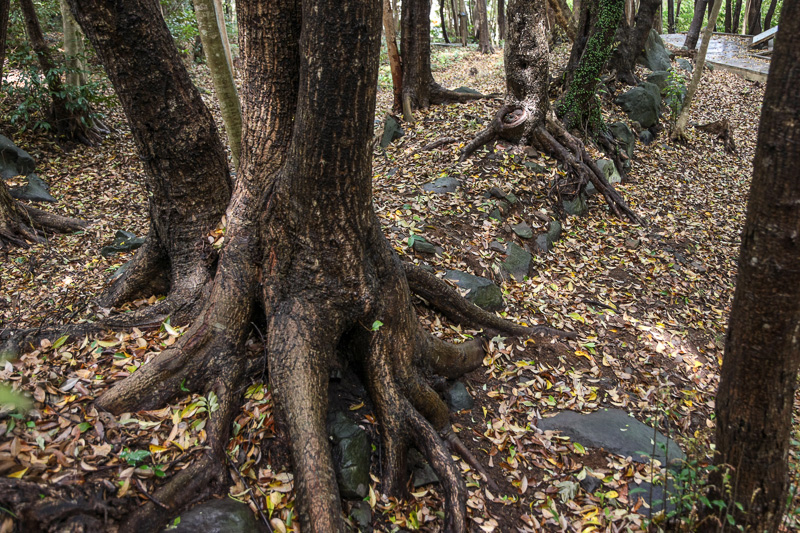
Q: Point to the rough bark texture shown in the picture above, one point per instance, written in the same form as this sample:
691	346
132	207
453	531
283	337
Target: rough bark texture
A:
484	38
728	16
395	64
526	117
22	226
737	12
762	349
679	130
4	8
185	165
65	118
463	23
419	88
214	38
697	23
770	14
580	106
563	17
632	40
754	18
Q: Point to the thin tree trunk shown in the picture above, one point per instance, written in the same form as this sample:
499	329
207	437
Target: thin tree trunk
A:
463	24
679	131
563	18
4	9
737	11
671	16
223	32
395	65
456	20
746	15
758	380
754	18
697	23
485	39
501	19
632	41
770	14
73	40
576	10
214	37
443	21
728	16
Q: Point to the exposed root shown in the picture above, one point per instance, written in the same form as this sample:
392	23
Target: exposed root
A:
458	448
444	141
508	123
447	359
22	225
724	132
446	300
440	95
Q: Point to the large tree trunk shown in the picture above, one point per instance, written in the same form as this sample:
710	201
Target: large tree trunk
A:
580	106
67	119
214	38
186	169
754	403
632	40
679	130
22	226
754	18
697	24
419	88
73	48
395	64
770	14
4	8
563	17
501	19
526	117
485	39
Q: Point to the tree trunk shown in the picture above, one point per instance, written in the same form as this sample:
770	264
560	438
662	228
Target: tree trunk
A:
679	131
769	15
631	42
485	39
443	20
526	117
501	19
223	33
580	106
456	20
185	165
697	24
737	11
4	8
563	17
395	65
728	16
754	18
67	119
762	348
73	48
419	88
214	36
463	23
671	16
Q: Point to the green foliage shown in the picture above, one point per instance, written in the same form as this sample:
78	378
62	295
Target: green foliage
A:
674	92
684	18
134	457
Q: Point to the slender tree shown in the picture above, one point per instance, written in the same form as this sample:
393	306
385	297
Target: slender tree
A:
697	23
754	17
214	38
501	19
4	9
758	380
443	20
770	14
74	51
395	64
463	23
632	40
737	12
679	130
671	16
563	17
484	39
728	16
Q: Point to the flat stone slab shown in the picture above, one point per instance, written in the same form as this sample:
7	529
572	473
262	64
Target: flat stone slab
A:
728	52
616	432
442	185
36	190
14	161
764	36
518	262
482	292
217	516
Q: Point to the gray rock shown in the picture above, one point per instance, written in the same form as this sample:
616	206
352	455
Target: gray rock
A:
419	244
511	198
554	231
361	513
685	64
391	131
655	55
496	214
617	432
523	230
659	78
421	471
442	185
14	161
543	243
468	90
482	292
539	169
646	137
624	136
351	454
642	104
217	516
576	206
609	171
36	190
497	247
590	484
459	398
631	243
124	241
518	262
497	192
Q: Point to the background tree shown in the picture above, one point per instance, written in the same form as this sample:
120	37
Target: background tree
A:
463	22
632	39
484	37
770	13
443	21
4	9
501	19
762	349
679	130
697	23
563	17
753	16
214	38
395	62
74	51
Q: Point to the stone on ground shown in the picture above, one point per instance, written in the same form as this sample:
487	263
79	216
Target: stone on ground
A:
351	454
482	292
217	516
518	262
659	78
655	55
523	230
642	104
459	398
124	241
36	190
442	185
391	131
14	161
685	64
577	206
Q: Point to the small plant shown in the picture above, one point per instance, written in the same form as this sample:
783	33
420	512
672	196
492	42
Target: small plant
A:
674	92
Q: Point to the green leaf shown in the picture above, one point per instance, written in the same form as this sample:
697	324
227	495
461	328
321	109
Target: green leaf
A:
376	325
60	342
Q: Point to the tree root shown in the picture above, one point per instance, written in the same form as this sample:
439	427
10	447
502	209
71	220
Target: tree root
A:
446	300
440	95
458	447
21	225
724	132
515	123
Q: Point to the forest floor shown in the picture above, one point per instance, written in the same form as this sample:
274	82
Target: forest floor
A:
649	303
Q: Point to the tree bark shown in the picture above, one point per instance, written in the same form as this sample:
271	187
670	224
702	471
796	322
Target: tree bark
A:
770	14
4	8
671	16
395	65
443	21
563	17
728	16
66	118
697	23
631	42
737	11
73	48
463	23
214	38
223	32
501	19
485	39
186	172
754	18
679	130
762	348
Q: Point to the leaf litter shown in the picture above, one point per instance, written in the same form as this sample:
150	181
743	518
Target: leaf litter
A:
649	303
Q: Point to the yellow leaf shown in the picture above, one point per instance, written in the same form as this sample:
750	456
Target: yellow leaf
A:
583	353
356	407
154	448
18	474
